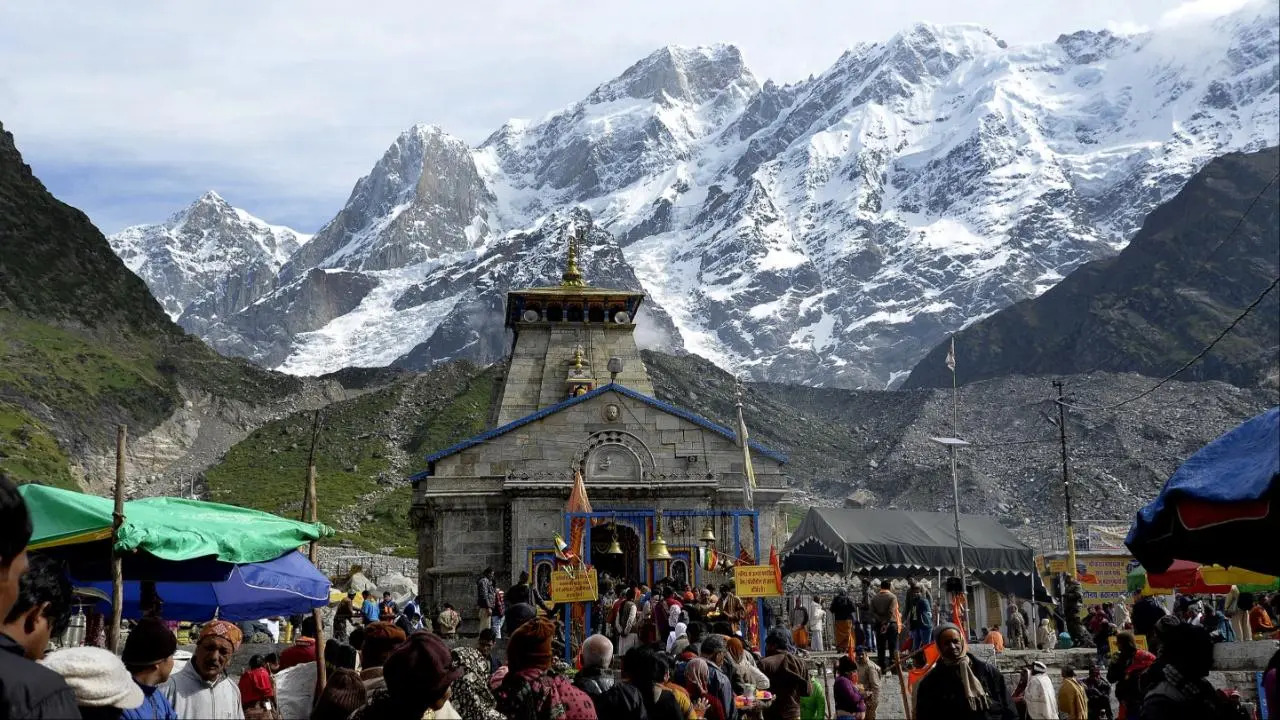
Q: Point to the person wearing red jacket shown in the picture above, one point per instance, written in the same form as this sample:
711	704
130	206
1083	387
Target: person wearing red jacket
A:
257	690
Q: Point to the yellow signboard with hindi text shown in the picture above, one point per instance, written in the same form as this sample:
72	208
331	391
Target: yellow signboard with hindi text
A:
580	586
755	581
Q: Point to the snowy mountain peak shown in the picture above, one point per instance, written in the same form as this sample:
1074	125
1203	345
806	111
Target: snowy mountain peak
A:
203	250
830	231
424	197
681	74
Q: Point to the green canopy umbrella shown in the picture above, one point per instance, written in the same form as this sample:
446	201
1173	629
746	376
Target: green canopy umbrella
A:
173	529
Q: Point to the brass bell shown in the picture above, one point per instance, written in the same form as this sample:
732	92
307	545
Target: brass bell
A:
708	533
614	548
658	548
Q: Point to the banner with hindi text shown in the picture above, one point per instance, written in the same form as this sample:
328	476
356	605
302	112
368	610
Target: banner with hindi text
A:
756	581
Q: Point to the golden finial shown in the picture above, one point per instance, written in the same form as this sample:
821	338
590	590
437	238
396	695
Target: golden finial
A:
577	358
572	275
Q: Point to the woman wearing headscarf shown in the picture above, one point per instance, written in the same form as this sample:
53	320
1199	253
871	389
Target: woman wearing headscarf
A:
849	702
697	679
531	690
472	697
1045	639
746	664
960	686
679	631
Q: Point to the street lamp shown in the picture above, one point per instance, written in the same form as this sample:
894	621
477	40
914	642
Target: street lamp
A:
951	444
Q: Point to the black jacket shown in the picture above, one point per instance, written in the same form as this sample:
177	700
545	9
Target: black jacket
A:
940	695
613	700
29	690
842	608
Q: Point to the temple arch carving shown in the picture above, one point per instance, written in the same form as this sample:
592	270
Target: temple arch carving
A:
614	456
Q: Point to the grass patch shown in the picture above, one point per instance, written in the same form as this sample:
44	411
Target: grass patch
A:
389	526
29	453
78	375
466	415
267	470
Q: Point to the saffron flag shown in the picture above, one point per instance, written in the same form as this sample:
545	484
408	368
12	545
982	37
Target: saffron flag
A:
777	567
578	503
951	355
930	657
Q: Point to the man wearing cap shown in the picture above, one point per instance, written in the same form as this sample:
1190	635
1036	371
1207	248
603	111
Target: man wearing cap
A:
202	689
960	686
419	675
148	656
1042	701
380	639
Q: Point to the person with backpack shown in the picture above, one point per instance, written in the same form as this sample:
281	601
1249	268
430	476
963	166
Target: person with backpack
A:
1183	689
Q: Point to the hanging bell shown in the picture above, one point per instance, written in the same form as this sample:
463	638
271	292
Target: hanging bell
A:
708	533
614	548
658	548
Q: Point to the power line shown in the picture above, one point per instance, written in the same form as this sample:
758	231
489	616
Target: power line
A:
1240	220
1257	301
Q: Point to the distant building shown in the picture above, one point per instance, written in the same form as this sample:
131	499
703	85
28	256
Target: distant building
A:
577	396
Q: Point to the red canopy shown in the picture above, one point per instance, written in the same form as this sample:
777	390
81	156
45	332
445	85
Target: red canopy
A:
1185	576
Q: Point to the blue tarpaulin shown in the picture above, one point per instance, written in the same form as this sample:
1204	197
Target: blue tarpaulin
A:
288	585
1219	506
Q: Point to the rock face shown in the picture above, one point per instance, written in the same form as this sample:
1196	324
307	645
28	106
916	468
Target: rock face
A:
54	264
1197	262
830	231
208	260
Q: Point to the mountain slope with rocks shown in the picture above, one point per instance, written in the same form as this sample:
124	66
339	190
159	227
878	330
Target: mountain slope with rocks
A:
1197	263
830	231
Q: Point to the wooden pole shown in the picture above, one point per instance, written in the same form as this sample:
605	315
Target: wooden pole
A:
310	514
902	685
117	569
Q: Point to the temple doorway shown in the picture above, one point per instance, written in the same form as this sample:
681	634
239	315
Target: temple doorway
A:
616	568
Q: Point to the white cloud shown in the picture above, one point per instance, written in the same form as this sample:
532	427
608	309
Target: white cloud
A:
289	103
1197	10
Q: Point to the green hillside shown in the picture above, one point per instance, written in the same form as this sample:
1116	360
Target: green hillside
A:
366	448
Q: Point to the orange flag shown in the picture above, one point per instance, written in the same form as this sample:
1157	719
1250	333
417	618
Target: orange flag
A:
777	567
930	657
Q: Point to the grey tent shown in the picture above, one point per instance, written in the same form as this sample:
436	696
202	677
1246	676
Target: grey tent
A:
899	543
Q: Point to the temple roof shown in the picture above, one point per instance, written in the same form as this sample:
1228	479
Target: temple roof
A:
610	387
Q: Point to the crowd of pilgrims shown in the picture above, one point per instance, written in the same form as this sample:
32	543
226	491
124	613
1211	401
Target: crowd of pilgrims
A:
665	653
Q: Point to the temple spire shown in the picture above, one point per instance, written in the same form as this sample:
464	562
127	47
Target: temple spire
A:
572	275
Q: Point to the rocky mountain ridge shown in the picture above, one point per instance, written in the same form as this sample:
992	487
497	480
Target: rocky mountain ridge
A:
830	231
208	259
1198	262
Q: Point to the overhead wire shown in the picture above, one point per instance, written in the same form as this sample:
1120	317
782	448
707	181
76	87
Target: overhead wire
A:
1204	351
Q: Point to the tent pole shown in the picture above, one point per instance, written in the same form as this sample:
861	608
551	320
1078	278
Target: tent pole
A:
310	514
902	685
117	567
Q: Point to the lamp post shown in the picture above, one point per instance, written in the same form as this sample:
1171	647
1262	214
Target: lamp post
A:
951	444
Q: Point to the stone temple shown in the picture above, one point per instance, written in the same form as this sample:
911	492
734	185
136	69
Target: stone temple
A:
577	397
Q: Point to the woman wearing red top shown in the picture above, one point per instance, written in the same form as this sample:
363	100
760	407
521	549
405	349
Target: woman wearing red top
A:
257	690
697	677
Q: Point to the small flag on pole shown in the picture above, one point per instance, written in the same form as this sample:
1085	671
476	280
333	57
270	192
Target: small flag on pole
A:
951	355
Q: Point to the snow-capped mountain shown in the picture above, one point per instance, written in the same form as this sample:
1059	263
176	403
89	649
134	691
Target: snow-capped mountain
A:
209	255
829	231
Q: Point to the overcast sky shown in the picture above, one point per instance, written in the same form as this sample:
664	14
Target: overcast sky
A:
130	110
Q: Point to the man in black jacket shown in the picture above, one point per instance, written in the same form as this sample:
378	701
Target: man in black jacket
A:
612	699
960	686
27	690
842	610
